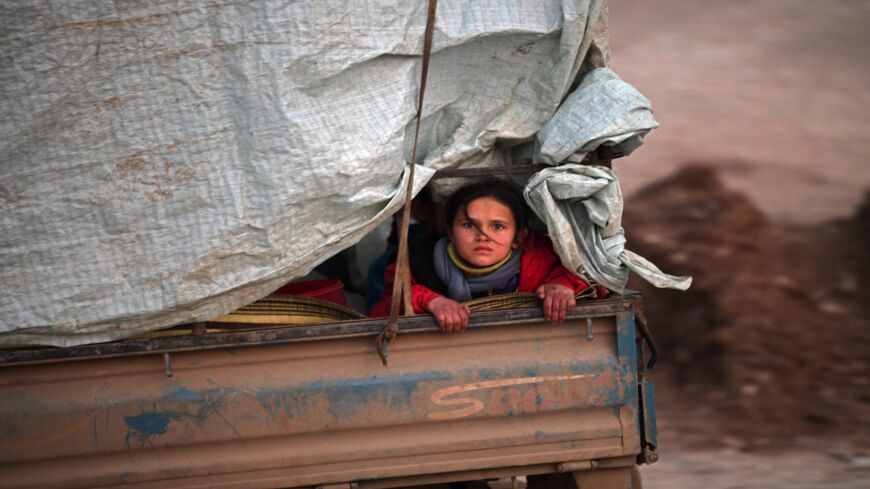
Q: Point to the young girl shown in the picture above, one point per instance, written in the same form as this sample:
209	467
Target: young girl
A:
488	250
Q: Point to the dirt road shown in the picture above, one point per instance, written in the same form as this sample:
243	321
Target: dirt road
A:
763	379
729	469
774	93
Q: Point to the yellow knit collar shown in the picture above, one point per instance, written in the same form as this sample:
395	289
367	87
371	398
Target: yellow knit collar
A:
472	271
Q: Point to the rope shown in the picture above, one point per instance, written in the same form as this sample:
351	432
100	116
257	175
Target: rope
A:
402	279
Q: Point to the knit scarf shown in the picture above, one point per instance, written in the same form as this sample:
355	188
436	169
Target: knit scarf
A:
460	287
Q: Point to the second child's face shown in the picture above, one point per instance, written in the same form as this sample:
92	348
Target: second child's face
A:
489	247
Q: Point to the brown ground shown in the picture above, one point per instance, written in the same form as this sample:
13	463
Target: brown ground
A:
772	93
774	326
754	185
768	349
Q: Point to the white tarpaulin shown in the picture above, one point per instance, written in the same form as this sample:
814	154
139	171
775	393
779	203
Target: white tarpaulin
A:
580	204
165	162
582	207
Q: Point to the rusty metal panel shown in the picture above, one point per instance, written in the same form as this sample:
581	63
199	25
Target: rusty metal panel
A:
326	411
650	432
627	361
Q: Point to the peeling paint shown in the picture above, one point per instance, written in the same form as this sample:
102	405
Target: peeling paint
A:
150	424
486	373
274	401
186	394
347	396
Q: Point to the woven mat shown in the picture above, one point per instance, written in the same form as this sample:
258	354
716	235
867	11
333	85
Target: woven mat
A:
518	300
297	310
272	310
289	309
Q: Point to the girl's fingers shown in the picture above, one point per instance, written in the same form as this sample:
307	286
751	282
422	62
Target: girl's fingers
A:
451	322
457	320
567	305
558	302
452	318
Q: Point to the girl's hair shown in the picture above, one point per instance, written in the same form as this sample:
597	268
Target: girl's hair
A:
500	190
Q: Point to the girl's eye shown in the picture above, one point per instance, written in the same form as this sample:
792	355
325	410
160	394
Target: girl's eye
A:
467	225
498	226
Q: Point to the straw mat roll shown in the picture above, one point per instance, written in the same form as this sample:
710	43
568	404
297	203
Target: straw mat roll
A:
517	300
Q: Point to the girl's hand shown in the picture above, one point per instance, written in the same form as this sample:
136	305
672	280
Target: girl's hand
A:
558	301
452	316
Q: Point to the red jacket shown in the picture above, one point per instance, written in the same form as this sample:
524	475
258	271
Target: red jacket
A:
539	265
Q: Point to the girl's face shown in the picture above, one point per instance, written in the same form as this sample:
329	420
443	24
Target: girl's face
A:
498	236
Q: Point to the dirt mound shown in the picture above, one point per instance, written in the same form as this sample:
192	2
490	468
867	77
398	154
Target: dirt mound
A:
771	341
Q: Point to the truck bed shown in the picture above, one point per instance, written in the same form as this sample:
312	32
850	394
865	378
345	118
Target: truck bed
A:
313	405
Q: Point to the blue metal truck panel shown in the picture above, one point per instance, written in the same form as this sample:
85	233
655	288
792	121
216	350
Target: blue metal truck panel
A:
504	394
